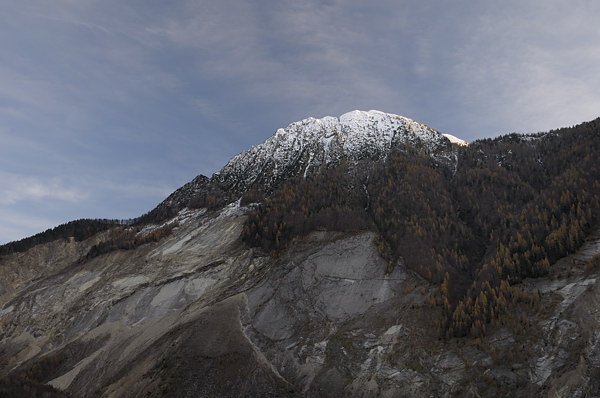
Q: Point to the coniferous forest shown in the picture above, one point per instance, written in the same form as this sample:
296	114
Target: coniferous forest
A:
510	209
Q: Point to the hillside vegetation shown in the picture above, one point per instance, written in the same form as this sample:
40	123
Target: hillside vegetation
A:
513	207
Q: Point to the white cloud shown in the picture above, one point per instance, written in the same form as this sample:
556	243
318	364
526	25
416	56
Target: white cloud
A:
18	188
16	225
132	189
531	69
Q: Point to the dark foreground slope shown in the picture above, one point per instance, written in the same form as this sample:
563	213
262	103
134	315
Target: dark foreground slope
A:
420	271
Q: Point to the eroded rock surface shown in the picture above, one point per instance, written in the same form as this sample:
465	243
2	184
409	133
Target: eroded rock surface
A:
201	314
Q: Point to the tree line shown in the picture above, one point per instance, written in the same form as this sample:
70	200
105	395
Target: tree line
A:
78	229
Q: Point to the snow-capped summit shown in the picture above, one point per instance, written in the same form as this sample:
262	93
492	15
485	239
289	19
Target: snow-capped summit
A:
306	145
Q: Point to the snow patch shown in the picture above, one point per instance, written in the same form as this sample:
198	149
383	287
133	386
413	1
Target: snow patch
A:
456	140
353	136
232	209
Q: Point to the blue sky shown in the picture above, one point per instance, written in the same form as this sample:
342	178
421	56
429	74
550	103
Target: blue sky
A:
108	106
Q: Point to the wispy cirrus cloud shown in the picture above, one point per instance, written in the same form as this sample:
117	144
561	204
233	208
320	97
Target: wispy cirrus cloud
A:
528	66
311	56
125	101
17	188
16	224
31	204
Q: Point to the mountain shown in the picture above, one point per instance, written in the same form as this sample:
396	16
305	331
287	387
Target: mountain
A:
365	255
308	145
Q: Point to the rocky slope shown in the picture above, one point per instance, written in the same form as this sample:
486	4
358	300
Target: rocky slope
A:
199	313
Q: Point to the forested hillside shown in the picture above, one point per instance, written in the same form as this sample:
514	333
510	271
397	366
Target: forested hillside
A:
511	208
78	229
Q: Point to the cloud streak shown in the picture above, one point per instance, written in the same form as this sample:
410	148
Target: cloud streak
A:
530	68
18	188
17	225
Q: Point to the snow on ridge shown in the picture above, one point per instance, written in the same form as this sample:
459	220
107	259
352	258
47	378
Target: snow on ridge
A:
354	130
311	142
456	140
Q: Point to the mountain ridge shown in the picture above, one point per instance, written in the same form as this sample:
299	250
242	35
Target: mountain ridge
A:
316	142
304	146
387	276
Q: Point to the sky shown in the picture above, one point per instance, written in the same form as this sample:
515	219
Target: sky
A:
107	106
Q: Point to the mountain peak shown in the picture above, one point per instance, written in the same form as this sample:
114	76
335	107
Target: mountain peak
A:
355	121
306	145
356	124
360	117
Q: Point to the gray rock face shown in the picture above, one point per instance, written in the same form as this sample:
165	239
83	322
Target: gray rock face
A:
201	314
